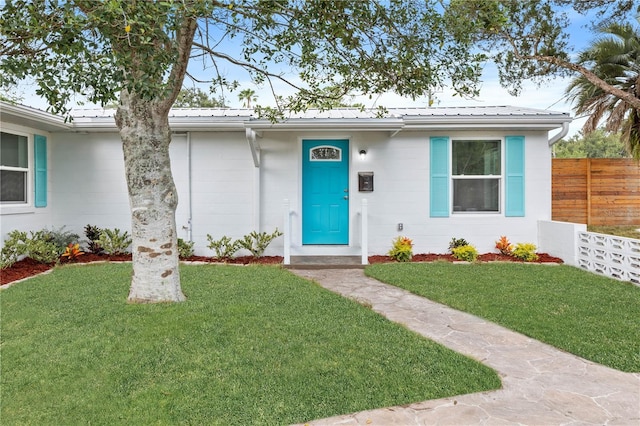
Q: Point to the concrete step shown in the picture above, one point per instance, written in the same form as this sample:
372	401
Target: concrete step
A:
325	262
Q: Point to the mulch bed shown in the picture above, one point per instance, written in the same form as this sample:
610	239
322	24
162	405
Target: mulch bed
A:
28	267
486	257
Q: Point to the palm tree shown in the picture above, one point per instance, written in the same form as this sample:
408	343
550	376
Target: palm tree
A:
614	58
246	96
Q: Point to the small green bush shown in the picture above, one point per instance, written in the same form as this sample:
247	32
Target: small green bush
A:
457	242
466	253
15	246
44	246
526	252
225	248
402	249
257	242
185	248
114	242
43	251
58	237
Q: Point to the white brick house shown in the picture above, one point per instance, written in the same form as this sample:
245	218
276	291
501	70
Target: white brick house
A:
467	172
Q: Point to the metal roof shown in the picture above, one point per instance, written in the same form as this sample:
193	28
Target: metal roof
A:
393	119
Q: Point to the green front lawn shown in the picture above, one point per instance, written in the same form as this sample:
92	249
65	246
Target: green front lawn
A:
591	316
252	345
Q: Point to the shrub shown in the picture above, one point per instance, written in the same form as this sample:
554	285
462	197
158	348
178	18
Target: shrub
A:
185	248
15	246
42	251
58	237
526	252
44	246
402	249
504	246
93	236
457	242
114	242
467	253
224	247
72	251
257	242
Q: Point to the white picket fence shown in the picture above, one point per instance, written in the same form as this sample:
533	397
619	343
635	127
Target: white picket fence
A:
615	257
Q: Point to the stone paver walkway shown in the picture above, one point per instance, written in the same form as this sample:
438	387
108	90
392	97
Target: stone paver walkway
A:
541	385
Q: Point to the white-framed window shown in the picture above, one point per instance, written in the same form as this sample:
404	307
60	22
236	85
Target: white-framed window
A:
476	175
14	168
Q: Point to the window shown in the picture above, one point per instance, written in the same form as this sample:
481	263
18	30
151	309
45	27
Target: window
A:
14	168
476	173
325	153
473	173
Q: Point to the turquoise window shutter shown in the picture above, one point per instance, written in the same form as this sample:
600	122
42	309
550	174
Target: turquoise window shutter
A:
40	170
439	179
514	179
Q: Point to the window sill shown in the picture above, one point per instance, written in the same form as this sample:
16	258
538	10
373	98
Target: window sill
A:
476	213
8	210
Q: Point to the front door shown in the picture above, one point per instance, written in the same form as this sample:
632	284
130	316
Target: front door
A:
325	191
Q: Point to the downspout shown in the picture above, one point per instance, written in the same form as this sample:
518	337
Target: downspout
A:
256	154
563	132
189	223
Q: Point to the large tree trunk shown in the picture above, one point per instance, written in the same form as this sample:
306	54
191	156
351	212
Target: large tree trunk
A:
144	129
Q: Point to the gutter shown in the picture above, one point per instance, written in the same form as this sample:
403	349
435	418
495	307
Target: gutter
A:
563	132
190	190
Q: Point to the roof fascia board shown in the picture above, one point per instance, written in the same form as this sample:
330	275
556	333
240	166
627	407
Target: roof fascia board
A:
443	126
32	117
329	124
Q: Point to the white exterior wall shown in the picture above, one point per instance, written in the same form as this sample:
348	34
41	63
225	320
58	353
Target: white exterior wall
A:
401	192
92	189
559	239
27	217
222	187
230	197
89	182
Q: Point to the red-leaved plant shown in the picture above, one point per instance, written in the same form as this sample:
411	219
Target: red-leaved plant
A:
504	246
72	251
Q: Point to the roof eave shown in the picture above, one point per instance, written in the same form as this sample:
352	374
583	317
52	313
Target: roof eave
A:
183	124
459	122
329	124
30	117
177	124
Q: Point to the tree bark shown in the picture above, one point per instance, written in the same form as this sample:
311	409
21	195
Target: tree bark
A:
144	129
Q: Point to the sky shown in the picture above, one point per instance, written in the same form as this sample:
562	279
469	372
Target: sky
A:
549	96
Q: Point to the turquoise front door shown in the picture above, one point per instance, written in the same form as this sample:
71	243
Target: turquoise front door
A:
325	191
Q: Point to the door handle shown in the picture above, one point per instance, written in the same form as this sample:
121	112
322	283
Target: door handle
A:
346	197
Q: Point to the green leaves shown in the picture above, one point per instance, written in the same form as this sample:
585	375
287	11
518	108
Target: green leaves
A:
101	48
614	62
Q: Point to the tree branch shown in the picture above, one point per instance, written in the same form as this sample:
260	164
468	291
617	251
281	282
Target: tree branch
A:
246	65
184	41
590	76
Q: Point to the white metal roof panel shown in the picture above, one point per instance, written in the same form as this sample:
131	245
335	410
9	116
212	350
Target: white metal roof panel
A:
185	119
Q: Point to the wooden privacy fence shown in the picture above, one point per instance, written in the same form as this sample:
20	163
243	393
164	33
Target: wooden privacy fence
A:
596	191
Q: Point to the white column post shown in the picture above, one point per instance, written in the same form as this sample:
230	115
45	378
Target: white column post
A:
365	232
287	232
